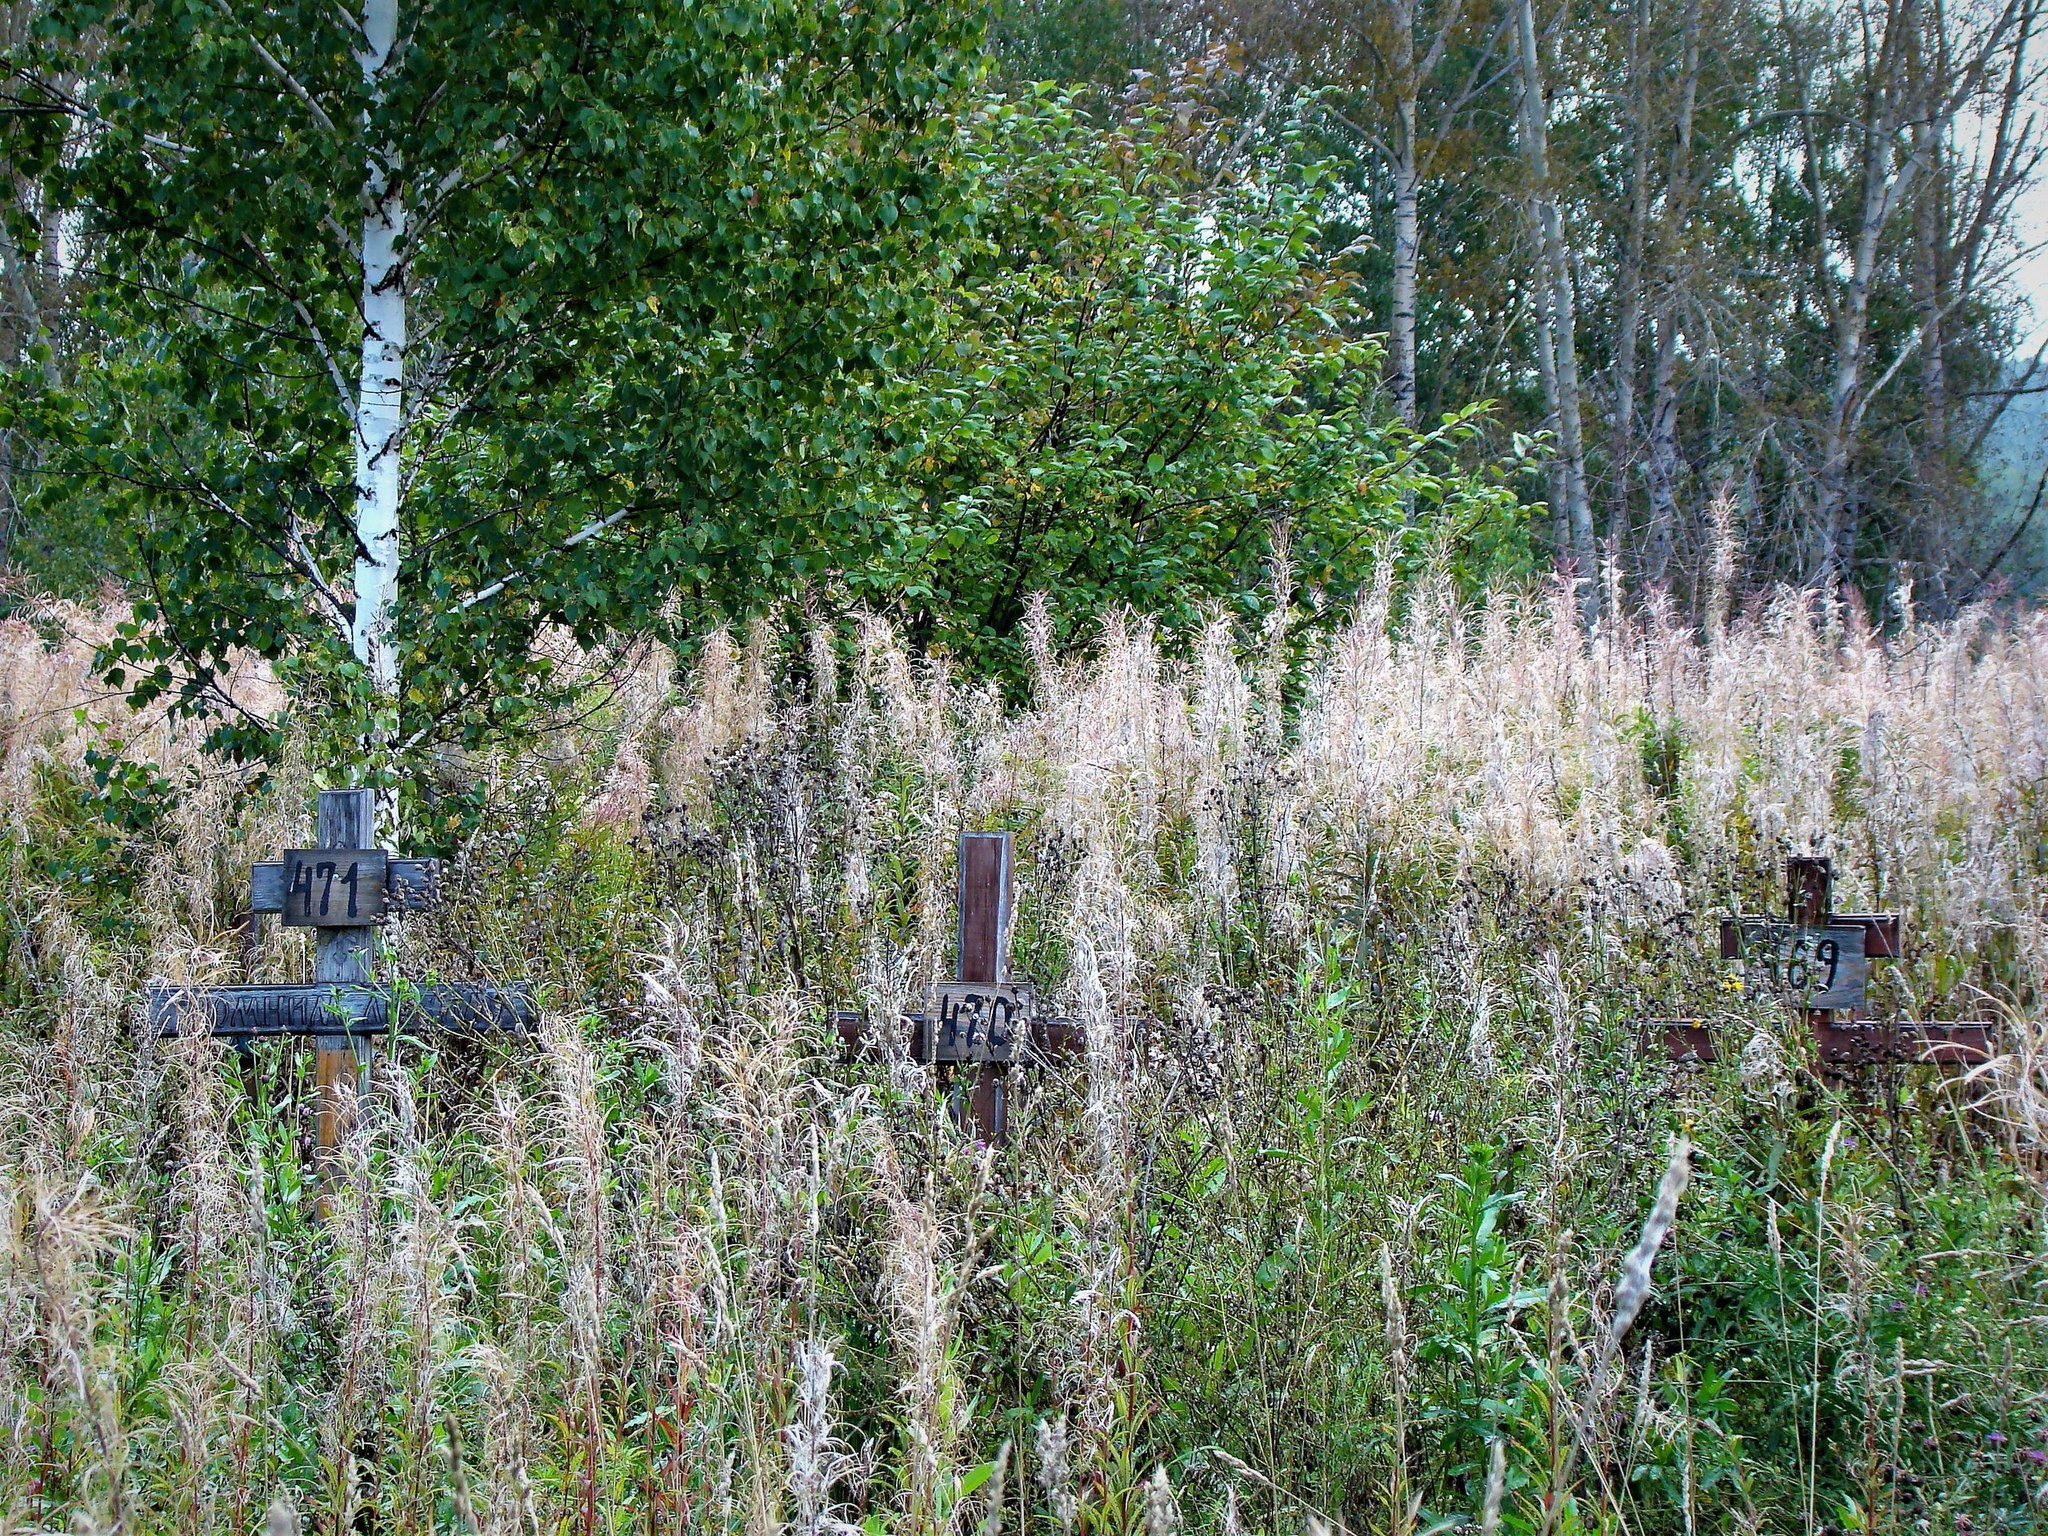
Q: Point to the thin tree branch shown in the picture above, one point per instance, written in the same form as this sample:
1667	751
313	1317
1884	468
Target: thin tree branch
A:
271	62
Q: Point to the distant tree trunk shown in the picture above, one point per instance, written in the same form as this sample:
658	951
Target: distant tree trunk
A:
1629	282
1556	277
1834	512
1889	89
1407	200
1662	466
1930	274
1546	370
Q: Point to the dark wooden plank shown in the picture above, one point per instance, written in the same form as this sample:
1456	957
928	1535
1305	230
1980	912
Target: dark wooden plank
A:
1903	1040
988	1104
337	1012
1042	1038
976	1021
984	906
410	885
1809	884
1681	1041
334	887
1811	968
1881	939
345	818
342	818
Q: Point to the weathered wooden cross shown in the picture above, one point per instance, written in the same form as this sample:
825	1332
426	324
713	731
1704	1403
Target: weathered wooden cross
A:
1818	960
986	1021
342	888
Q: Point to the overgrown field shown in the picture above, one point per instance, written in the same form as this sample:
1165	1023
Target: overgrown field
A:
1336	1241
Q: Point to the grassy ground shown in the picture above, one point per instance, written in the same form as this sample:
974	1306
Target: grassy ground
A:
1340	1240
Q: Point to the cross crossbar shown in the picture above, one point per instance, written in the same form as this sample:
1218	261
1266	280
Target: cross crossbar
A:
410	885
323	1012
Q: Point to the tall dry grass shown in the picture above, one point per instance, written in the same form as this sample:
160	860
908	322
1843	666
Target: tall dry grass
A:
1322	1228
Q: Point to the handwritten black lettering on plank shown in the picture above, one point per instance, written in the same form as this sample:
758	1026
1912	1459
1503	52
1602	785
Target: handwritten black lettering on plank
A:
977	1021
329	1010
1813	968
410	885
333	887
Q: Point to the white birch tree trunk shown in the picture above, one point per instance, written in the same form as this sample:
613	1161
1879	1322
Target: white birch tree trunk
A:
1407	200
1546	370
1661	470
1629	284
1851	328
380	418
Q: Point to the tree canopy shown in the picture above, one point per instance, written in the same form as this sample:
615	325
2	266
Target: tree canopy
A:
631	248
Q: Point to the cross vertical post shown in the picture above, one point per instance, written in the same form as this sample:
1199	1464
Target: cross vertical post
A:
346	818
985	899
1809	893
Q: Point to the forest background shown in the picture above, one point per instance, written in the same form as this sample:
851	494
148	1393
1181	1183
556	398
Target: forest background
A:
1627	268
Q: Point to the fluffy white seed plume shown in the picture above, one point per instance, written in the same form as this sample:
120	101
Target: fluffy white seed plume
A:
1496	1487
1634	1288
1055	1485
816	1464
1162	1510
677	989
1479	1038
1631	1291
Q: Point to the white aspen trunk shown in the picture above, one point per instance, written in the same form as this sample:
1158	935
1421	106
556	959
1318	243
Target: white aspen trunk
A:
380	393
1407	199
1557	277
1628	320
1662	467
1838	535
1931	279
1546	370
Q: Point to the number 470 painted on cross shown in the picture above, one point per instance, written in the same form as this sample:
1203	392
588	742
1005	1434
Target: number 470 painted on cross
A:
334	887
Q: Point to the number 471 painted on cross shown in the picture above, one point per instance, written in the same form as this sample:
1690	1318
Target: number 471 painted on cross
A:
333	887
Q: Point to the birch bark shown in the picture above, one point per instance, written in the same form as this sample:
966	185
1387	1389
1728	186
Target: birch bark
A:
1629	285
1407	201
380	389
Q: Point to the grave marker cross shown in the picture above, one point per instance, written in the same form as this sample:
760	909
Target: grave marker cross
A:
341	888
984	1022
1819	960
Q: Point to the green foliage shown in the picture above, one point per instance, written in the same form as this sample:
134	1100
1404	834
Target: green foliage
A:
97	827
643	247
1142	367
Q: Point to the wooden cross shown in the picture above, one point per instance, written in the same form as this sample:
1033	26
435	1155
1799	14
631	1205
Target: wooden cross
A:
342	888
985	1021
1819	960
